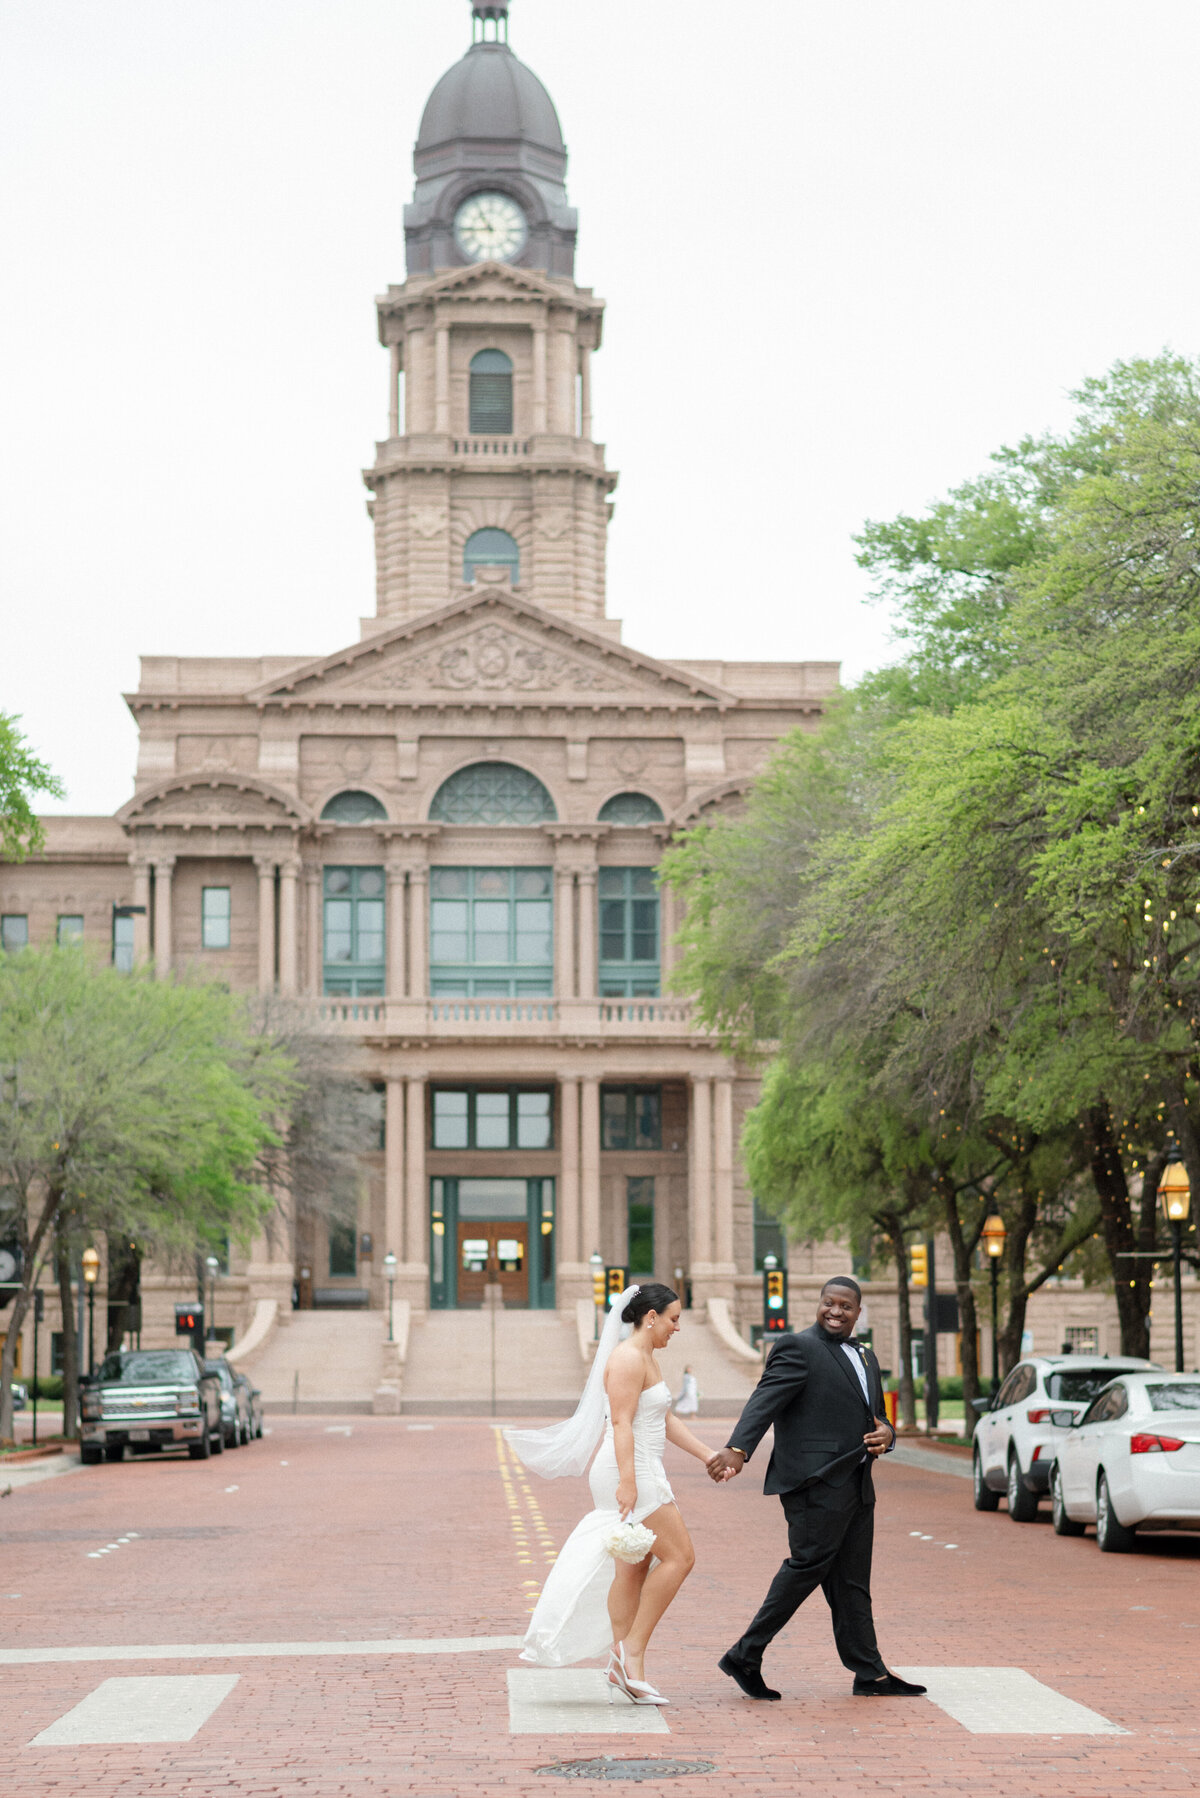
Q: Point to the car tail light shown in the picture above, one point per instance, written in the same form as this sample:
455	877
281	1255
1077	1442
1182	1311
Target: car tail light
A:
1038	1416
1142	1444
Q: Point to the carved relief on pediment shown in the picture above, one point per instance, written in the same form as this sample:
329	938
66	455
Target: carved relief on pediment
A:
212	802
200	755
494	659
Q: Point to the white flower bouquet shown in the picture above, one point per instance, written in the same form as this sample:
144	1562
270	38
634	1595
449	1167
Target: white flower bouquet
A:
629	1541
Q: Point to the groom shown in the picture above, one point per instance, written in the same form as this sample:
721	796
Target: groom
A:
822	1391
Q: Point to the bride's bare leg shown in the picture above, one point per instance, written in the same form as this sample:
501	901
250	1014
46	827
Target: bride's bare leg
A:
676	1558
624	1595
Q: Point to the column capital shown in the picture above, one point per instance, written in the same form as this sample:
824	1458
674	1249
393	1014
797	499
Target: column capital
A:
291	867
312	872
266	865
139	862
163	864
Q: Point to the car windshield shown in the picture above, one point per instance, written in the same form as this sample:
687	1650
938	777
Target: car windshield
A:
1078	1385
1174	1398
222	1372
148	1367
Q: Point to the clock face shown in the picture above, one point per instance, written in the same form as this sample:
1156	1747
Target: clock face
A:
8	1265
490	228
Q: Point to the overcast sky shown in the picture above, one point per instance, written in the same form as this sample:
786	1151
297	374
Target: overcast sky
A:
848	249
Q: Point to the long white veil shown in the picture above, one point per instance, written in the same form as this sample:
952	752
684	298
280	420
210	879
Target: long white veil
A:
567	1447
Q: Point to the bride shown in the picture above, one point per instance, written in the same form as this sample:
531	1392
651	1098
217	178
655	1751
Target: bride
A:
593	1599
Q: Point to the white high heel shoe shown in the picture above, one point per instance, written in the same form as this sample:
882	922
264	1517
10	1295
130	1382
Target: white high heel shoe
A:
640	1691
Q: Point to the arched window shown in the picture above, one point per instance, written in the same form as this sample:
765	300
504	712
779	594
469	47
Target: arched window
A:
491	549
630	808
352	808
492	793
490	404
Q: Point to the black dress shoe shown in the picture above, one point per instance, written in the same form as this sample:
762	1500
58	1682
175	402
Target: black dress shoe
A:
887	1687
749	1679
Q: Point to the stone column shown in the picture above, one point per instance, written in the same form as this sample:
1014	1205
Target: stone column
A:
266	922
589	1169
394	393
395	930
723	1175
289	981
700	1180
585	393
314	948
393	1170
587	936
416	1202
141	919
164	866
568	1184
539	379
441	375
564	933
418	933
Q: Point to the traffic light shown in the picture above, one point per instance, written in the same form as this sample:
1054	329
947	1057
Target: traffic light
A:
616	1280
598	1288
775	1319
189	1321
918	1264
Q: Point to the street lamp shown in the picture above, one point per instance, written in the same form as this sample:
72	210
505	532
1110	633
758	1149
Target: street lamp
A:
214	1268
994	1236
596	1263
389	1268
1175	1197
91	1273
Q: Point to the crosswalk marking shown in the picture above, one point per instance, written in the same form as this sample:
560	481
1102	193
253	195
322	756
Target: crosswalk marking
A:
575	1701
1007	1701
144	1709
228	1651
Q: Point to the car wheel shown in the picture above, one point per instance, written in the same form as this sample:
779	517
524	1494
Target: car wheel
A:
985	1498
218	1441
91	1457
1064	1525
114	1451
1112	1535
200	1451
1022	1504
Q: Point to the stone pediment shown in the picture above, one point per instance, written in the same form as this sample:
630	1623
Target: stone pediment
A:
208	803
490	281
488	648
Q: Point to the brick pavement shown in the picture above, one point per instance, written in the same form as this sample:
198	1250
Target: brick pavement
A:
400	1532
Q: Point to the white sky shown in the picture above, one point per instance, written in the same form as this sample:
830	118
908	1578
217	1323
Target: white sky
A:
848	249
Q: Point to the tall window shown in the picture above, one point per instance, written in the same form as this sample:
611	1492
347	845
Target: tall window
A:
492	793
631	808
70	928
122	941
769	1238
491	548
468	1118
639	1206
628	933
491	932
214	917
14	930
491	396
343	1245
631	1117
354	930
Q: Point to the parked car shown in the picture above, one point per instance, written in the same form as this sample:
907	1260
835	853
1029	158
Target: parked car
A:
254	1400
235	1403
1131	1462
20	1396
150	1399
1016	1438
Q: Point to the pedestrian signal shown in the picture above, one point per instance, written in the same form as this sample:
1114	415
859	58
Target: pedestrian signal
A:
616	1280
189	1321
774	1301
918	1264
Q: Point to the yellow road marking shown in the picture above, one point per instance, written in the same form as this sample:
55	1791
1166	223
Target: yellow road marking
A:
524	1516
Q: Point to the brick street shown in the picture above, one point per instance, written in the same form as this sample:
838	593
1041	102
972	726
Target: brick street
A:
410	1533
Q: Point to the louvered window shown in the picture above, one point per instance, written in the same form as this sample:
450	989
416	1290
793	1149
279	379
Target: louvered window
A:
491	405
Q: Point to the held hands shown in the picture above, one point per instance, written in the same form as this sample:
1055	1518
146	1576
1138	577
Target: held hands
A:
726	1464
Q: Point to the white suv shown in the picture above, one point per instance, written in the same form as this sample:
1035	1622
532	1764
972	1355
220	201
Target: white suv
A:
1015	1441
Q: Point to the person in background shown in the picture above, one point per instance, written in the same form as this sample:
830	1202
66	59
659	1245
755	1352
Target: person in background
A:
687	1399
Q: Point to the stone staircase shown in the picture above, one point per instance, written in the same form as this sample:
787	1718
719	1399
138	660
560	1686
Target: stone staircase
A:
322	1362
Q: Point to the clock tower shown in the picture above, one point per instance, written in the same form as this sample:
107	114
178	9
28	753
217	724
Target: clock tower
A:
488	474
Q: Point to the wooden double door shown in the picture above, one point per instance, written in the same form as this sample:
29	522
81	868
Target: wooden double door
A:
493	1251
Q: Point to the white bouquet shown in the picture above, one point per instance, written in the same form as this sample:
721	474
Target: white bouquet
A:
629	1541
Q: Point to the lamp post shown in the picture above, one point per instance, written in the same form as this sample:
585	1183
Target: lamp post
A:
389	1268
994	1236
91	1273
214	1268
1175	1197
596	1263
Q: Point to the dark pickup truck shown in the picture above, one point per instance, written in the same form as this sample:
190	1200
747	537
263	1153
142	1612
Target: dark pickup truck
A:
150	1399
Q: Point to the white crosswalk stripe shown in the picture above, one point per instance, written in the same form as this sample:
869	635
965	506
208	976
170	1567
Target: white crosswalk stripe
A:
1007	1701
146	1709
575	1701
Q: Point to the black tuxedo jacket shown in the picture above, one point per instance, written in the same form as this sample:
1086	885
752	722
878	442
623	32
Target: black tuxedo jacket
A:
812	1395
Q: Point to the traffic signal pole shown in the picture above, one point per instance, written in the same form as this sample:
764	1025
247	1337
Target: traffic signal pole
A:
931	1336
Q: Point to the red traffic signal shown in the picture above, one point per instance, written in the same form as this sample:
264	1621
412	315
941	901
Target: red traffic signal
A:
189	1319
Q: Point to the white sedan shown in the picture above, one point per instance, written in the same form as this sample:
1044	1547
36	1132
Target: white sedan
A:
1131	1462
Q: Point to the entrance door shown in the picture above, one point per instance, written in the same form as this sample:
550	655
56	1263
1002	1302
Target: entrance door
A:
493	1252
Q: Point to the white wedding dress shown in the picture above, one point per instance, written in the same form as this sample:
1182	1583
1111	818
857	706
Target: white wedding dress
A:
570	1622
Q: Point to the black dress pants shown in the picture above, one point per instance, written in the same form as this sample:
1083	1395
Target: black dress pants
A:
830	1535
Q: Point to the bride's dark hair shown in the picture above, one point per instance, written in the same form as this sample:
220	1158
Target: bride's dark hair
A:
647	1298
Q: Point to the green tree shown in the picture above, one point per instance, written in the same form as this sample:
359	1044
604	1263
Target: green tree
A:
22	775
129	1105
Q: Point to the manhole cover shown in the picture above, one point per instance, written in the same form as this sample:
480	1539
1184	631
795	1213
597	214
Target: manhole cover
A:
606	1767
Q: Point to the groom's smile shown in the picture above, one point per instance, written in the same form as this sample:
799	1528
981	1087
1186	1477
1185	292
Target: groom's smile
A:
837	1311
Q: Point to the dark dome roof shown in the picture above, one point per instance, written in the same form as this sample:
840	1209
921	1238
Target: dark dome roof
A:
490	94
